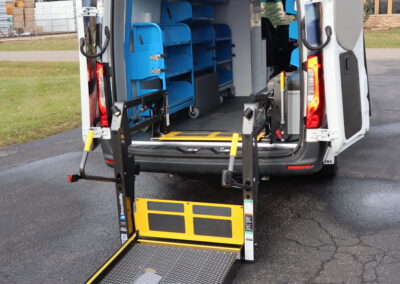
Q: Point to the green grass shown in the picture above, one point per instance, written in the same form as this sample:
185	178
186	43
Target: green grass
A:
53	43
383	39
37	100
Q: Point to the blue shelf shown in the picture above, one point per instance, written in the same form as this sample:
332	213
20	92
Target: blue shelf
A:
290	7
179	92
183	11
223	47
202	33
147	71
222	32
177	43
223	50
176	34
225	76
224	61
179	60
223	39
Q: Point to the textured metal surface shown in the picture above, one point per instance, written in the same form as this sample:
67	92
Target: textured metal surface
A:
174	265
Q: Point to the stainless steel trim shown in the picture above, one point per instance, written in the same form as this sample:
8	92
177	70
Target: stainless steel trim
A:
261	145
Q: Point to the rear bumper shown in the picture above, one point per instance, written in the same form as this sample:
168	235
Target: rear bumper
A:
308	159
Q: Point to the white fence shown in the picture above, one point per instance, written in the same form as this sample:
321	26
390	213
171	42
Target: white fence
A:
57	16
5	20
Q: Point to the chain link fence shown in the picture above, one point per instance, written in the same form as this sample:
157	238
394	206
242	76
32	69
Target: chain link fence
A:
46	18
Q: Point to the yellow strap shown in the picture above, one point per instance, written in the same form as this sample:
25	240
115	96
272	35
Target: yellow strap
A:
234	147
89	141
283	80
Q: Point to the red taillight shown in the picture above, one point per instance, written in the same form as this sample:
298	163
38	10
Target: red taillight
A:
316	93
300	167
101	96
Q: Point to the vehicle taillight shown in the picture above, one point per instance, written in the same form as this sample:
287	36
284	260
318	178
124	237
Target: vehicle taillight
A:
316	93
101	96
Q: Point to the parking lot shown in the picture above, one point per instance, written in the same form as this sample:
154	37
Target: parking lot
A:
309	229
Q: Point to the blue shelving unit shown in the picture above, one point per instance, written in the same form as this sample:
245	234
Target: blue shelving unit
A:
160	57
294	35
223	47
176	12
203	40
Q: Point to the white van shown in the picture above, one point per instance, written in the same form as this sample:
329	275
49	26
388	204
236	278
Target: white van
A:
211	56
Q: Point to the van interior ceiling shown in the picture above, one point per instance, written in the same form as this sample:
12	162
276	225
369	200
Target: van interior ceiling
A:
210	56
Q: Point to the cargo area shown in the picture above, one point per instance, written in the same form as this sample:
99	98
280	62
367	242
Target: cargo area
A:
210	57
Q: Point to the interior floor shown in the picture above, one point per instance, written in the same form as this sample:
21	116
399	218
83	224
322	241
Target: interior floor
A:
227	117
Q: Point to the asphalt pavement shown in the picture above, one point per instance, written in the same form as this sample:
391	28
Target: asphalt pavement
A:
310	229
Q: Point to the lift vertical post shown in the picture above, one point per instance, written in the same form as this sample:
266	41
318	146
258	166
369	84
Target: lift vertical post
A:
250	176
124	170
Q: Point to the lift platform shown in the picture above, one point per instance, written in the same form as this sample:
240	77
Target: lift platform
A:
180	242
167	241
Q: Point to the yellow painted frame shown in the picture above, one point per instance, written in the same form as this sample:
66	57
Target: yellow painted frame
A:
93	278
190	246
212	136
236	218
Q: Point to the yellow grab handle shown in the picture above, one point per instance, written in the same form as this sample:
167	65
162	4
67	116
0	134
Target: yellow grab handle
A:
283	75
235	142
89	141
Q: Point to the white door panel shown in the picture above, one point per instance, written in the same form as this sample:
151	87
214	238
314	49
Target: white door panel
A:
346	81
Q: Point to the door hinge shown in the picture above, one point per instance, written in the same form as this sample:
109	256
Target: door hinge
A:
91	12
323	135
158	71
158	56
100	132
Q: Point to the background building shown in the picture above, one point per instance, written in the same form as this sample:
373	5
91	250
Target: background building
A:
382	14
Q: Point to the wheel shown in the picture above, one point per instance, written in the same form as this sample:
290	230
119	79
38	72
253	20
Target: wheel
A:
231	92
194	112
329	171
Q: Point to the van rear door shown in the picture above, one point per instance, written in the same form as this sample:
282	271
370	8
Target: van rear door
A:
345	73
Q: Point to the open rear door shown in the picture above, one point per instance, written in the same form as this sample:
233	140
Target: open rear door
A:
345	73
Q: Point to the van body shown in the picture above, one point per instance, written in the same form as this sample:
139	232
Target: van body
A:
211	56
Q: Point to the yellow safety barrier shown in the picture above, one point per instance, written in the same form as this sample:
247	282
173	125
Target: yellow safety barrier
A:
235	142
89	141
190	221
202	136
283	75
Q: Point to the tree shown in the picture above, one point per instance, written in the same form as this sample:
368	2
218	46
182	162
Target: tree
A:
273	11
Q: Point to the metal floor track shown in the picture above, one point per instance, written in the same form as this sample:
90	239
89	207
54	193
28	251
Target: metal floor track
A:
152	264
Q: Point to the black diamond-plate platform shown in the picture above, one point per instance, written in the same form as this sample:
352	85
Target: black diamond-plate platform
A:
150	264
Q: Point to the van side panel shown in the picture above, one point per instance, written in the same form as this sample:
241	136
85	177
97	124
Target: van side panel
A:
343	101
118	45
351	93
